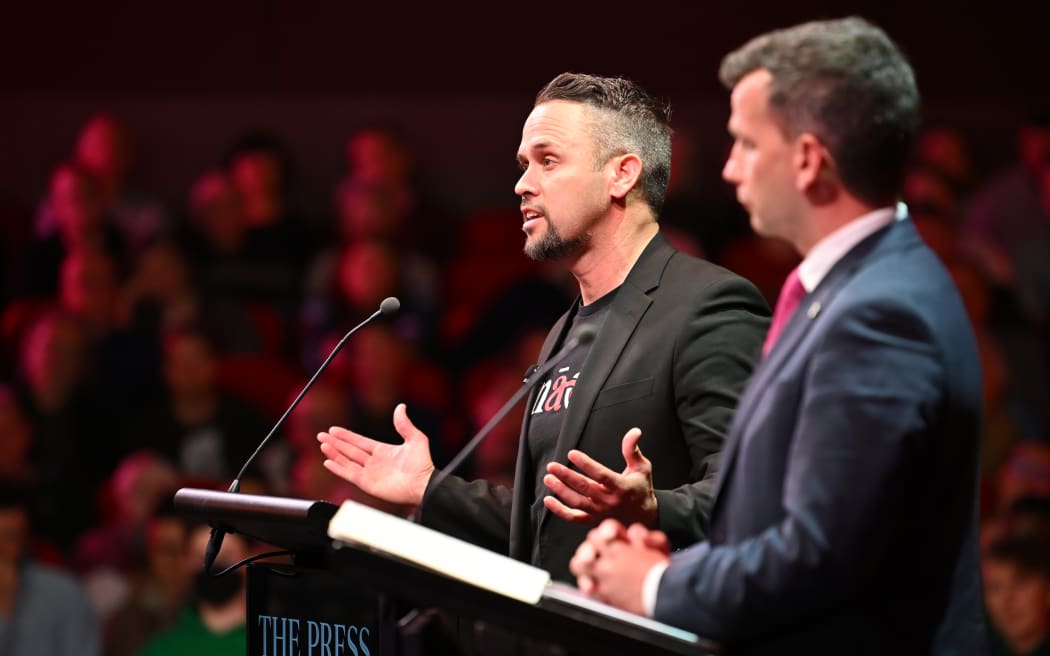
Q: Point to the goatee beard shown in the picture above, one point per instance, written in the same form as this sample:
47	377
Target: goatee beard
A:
551	246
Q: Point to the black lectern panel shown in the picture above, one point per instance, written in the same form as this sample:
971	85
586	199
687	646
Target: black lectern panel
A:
554	619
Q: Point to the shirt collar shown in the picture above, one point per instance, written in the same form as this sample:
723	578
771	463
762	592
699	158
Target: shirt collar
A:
834	247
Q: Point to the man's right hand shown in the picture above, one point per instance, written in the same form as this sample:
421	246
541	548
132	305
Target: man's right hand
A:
395	473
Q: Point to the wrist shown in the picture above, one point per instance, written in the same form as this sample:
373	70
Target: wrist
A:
423	483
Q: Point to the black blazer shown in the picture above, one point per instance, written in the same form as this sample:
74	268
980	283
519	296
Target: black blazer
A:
672	358
844	521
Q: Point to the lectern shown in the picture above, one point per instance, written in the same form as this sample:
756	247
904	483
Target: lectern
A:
339	596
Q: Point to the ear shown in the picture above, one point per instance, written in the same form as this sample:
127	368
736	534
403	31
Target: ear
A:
812	162
624	171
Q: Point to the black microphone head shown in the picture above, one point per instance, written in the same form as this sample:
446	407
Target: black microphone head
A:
389	305
585	334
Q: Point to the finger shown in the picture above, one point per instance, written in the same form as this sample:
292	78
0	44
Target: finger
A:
586	584
570	496
344	450
593	468
640	535
658	540
632	454
574	515
583	559
340	434
346	470
404	426
576	481
608	531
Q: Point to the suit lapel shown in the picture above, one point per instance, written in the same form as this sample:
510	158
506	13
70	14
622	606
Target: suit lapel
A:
624	314
626	311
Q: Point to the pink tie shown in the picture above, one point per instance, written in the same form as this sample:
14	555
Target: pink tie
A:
790	296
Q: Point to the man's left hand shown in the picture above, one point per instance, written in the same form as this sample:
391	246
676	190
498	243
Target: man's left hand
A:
596	492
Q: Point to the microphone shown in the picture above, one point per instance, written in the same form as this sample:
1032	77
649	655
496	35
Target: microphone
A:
583	335
389	306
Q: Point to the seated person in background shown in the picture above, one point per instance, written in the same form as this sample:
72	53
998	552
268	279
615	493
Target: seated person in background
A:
1016	572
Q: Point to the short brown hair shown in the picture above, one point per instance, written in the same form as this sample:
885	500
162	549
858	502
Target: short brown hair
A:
846	82
630	121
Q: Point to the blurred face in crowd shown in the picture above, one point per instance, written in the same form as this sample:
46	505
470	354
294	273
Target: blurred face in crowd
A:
141	481
14	534
161	272
374	157
945	150
217	210
165	549
1018	602
15	436
377	359
88	287
257	177
1026	472
367	274
189	366
76	202
365	211
104	149
760	163
51	356
563	187
325	406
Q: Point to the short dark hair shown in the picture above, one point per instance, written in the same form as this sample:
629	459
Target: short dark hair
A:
846	82
629	121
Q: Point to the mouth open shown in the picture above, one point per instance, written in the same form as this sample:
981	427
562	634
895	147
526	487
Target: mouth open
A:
530	218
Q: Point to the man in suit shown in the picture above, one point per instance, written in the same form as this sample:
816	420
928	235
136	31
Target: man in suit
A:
844	518
675	343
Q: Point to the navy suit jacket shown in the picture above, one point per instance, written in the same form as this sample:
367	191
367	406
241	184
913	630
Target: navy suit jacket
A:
845	513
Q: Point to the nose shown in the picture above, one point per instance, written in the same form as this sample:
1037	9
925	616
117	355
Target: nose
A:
525	186
729	170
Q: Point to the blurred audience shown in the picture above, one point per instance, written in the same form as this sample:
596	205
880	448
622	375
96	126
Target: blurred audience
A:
137	354
80	224
160	591
43	611
206	432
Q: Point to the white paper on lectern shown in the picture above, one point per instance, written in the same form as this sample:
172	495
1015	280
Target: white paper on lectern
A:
359	524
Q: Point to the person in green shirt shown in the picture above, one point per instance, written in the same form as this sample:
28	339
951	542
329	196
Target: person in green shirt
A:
214	623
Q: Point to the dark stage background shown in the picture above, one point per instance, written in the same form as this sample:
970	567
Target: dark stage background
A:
459	77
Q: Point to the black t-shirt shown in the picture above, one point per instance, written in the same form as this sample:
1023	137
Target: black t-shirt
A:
554	395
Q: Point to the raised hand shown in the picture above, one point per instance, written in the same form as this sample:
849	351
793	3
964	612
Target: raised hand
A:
596	492
395	473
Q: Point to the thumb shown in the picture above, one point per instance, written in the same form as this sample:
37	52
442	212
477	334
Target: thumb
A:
404	426
632	455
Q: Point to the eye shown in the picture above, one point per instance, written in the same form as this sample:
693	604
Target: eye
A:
547	161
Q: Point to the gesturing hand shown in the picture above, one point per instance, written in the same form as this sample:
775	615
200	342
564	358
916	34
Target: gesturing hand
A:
395	473
596	492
